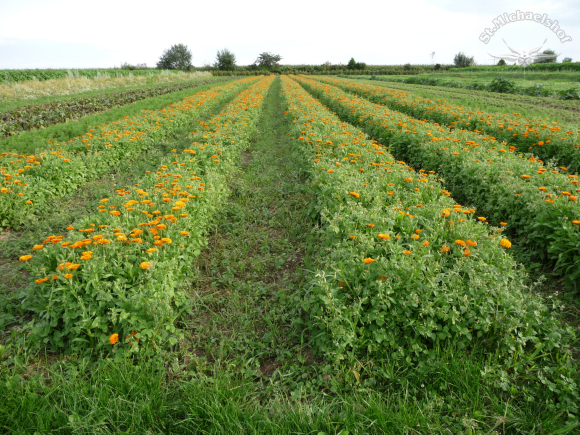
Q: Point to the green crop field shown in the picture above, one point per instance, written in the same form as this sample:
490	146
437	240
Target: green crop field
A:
304	254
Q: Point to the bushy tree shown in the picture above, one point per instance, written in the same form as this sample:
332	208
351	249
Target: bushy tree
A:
548	52
225	60
352	64
567	59
461	60
267	60
177	57
501	62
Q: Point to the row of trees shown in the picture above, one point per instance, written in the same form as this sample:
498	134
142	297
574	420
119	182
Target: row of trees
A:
461	60
179	57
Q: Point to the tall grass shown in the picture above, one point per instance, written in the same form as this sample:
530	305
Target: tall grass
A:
74	84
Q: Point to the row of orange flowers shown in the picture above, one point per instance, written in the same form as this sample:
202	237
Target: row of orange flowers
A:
547	139
406	270
539	203
120	269
30	182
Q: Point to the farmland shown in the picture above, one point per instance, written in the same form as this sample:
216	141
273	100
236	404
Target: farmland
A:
291	254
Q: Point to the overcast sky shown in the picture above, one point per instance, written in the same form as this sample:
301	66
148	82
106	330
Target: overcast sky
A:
106	33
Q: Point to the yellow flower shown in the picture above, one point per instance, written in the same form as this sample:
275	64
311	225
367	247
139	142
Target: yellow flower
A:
146	265
384	236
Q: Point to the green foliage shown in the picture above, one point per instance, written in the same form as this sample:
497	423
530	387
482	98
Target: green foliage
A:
502	85
501	62
567	60
176	57
15	121
21	75
225	60
124	289
267	60
412	299
461	60
437	66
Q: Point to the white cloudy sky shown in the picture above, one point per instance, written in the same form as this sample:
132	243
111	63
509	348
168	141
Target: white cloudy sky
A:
83	34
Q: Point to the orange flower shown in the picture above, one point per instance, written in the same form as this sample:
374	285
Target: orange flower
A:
151	250
39	281
543	189
573	197
114	338
25	258
72	266
444	248
146	265
576	222
407	252
352	237
384	236
68	276
503	223
37	247
356	195
460	242
481	218
370	225
466	253
505	243
368	260
425	243
526	176
471	243
184	233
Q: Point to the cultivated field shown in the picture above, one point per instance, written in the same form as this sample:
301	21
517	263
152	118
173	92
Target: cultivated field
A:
290	254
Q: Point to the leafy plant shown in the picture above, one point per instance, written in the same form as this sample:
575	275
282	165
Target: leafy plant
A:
502	85
461	60
267	60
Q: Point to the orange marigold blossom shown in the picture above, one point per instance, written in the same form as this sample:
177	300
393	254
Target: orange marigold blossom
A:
406	252
37	247
352	237
503	223
481	218
460	242
356	195
368	260
151	250
425	243
444	248
576	222
370	225
25	257
384	236
146	265
184	233
471	242
114	338
466	253
68	276
505	243
39	281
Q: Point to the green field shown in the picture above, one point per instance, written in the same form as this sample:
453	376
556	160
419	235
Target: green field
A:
294	254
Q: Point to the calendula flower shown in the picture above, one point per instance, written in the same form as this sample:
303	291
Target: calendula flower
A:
526	176
444	249
481	218
166	240
25	258
505	243
503	224
37	247
384	236
575	222
460	242
356	195
425	243
184	233
370	225
39	281
466	253
407	252
146	265
68	276
114	338
151	250
471	243
368	260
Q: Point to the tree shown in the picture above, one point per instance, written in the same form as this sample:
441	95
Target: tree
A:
267	60
567	59
501	62
461	60
550	59
177	57
225	60
352	64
